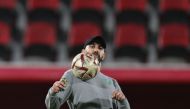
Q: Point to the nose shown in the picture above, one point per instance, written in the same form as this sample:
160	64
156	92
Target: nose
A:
96	49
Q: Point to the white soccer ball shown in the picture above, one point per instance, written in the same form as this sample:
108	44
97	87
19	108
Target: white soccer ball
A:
84	66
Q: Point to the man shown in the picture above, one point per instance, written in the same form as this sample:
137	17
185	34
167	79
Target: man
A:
99	92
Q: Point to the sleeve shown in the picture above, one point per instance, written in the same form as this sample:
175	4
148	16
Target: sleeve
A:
124	104
55	100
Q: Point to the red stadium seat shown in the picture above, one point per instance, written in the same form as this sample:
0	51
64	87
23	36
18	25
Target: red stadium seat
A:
174	11
87	21
132	11
5	34
173	40
140	5
174	34
43	10
79	33
9	15
130	41
88	10
10	4
40	33
40	39
88	4
5	39
166	5
8	11
130	34
38	4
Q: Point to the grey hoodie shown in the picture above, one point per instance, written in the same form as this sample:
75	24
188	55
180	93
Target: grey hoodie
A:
95	93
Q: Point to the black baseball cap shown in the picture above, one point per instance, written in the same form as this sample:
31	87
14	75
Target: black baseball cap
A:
96	39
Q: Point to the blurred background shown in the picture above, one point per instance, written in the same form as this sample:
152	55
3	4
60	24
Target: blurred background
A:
148	48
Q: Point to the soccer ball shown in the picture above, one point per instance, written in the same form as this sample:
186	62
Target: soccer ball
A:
84	66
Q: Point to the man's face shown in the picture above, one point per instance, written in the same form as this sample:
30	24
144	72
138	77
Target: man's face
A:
95	49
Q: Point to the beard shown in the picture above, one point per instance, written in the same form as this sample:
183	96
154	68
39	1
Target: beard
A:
95	55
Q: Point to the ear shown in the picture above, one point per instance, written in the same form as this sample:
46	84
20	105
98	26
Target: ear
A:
104	56
82	51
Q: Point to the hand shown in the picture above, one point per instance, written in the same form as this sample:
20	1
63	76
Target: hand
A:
118	95
57	86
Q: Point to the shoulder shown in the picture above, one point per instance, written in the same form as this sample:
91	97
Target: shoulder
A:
67	77
67	74
107	77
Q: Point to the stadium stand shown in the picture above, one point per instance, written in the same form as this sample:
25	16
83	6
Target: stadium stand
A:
8	11
8	18
40	41
45	10
88	11
79	33
173	41
131	42
173	36
131	11
131	30
174	11
43	26
5	40
87	21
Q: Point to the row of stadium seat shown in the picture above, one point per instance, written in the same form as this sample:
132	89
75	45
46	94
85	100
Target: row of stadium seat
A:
130	38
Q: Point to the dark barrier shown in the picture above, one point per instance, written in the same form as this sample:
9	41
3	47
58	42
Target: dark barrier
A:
145	88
